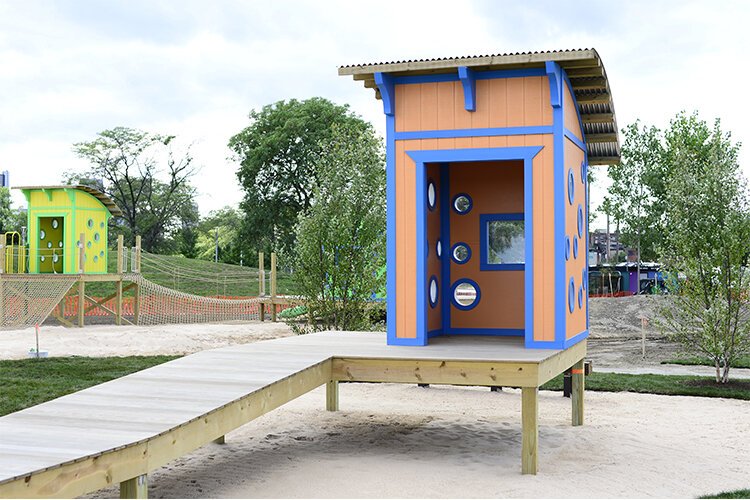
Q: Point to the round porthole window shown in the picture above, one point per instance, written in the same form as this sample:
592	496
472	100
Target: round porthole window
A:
575	247
460	253
439	249
433	291
88	244
49	244
571	295
571	186
431	195
580	221
466	294
90	223
96	236
54	224
42	234
462	203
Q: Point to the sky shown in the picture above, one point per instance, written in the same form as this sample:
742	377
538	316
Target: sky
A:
195	69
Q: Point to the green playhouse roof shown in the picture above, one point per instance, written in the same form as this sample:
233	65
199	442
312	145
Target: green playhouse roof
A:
103	198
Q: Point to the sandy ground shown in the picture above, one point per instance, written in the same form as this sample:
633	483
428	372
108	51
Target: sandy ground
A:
404	441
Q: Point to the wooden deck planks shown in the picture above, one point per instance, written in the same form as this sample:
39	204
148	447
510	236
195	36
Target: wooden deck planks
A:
175	407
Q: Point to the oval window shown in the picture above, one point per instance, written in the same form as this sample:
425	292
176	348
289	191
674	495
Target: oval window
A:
465	294
460	253
96	258
433	291
575	247
567	248
96	236
431	195
54	224
79	244
60	244
580	221
439	249
462	203
571	186
49	244
571	295
580	297
101	225
584	278
101	254
584	172
90	223
55	258
41	258
88	244
42	234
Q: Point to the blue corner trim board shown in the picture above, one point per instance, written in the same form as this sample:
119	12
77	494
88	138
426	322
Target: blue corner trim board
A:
484	264
474	132
384	82
390	171
421	277
469	83
574	340
554	73
577	108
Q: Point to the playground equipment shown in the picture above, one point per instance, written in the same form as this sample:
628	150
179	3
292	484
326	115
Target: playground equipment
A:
68	229
487	163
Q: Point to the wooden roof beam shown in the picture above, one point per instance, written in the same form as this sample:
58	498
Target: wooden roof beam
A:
597	117
594	138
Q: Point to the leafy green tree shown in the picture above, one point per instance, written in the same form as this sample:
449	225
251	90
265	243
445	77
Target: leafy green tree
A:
225	224
277	153
707	221
146	178
7	217
341	236
634	200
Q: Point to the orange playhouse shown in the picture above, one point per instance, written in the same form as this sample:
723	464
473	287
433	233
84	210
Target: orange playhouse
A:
487	162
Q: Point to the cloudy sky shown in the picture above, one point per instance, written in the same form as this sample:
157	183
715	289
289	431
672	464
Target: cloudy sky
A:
69	69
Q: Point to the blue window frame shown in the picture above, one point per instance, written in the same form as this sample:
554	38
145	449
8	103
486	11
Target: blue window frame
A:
487	255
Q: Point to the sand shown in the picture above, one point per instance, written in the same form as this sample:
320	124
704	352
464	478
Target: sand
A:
404	441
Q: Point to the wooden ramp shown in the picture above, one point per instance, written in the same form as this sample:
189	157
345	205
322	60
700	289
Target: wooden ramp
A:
119	431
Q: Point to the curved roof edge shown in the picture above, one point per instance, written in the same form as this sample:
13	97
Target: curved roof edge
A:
103	198
583	67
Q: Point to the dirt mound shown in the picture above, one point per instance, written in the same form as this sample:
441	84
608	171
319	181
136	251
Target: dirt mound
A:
621	316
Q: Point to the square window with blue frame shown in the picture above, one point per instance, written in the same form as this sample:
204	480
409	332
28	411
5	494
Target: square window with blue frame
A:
503	242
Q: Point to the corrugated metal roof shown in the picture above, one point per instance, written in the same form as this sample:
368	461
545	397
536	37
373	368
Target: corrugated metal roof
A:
106	200
583	66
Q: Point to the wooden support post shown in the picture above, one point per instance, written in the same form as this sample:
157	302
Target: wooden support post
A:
136	303
273	286
261	275
577	388
332	395
120	249
529	429
81	301
135	488
137	257
81	252
262	311
220	440
2	258
118	302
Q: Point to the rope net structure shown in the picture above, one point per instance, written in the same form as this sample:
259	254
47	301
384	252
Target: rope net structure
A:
161	305
26	302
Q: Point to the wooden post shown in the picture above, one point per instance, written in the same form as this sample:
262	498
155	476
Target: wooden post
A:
261	275
529	429
81	252
2	259
135	488
273	286
81	300
137	260
262	311
118	302
332	395
577	389
120	248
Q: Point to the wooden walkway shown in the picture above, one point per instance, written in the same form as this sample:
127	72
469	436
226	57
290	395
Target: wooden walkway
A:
119	431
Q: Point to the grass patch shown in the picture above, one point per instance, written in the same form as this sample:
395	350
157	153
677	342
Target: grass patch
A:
28	382
670	385
743	362
730	494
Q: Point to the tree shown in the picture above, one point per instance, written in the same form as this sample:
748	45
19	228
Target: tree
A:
225	223
277	154
341	236
7	218
634	198
147	180
707	222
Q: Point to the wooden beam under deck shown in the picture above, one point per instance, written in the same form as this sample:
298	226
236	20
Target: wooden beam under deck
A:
119	431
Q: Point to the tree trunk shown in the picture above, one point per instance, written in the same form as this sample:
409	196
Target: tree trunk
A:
725	375
718	371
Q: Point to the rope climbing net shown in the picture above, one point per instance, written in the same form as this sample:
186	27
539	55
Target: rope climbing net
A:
26	302
161	305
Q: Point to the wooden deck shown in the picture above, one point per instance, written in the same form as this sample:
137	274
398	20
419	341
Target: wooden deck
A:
119	431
